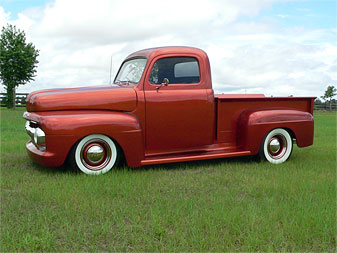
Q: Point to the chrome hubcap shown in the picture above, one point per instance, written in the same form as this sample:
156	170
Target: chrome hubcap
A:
95	154
274	145
277	146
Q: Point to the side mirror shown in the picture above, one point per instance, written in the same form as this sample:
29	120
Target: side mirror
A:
165	82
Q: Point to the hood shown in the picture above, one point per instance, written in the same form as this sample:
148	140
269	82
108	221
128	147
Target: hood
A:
97	98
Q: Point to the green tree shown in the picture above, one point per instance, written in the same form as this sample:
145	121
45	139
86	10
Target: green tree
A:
329	94
18	61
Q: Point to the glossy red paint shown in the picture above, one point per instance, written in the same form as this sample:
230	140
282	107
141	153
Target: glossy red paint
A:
178	122
58	149
255	124
178	110
92	98
239	110
122	127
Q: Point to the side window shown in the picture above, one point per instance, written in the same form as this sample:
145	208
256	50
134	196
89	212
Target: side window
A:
178	70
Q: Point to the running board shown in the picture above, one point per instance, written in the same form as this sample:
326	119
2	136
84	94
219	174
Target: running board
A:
193	157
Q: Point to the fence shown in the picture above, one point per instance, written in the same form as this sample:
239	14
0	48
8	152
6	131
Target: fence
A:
326	107
20	99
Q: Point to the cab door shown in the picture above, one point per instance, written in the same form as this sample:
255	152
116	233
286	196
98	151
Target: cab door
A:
181	114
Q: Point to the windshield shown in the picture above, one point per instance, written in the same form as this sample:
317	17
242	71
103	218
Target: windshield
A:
131	71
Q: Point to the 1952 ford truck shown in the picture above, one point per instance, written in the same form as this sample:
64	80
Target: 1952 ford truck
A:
162	109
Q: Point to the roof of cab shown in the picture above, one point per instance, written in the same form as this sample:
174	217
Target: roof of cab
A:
153	52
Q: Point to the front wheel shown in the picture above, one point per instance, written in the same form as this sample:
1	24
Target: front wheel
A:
94	154
277	146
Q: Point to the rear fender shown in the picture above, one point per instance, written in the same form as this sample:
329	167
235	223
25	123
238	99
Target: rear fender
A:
122	127
254	125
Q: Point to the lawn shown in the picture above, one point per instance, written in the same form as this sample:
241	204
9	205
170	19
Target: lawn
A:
218	205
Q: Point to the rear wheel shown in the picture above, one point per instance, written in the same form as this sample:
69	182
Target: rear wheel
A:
277	146
94	154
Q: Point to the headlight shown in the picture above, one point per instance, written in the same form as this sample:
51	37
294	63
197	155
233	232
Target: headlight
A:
39	137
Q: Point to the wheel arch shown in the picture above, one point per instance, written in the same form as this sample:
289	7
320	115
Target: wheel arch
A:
253	126
121	127
291	132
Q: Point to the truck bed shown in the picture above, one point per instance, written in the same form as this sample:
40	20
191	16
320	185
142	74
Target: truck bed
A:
230	107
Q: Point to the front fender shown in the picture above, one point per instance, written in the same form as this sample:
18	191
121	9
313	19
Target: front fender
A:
122	127
254	125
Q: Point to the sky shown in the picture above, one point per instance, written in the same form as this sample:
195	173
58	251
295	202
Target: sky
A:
273	47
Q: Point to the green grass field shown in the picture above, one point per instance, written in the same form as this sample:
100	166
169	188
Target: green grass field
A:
219	205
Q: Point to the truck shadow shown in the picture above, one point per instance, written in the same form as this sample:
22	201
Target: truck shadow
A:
53	170
66	169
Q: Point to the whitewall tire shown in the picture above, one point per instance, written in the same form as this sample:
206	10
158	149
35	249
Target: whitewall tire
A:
95	154
277	146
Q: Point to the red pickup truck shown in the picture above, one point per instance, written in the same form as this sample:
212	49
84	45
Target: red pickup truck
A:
161	109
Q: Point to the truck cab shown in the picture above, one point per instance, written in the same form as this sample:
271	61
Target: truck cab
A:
161	109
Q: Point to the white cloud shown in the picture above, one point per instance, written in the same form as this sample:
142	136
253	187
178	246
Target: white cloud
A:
283	16
269	67
77	39
4	16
